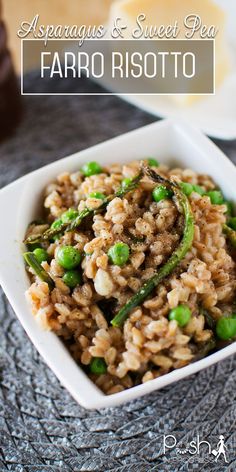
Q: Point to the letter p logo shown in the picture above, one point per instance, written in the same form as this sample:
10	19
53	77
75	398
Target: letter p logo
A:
169	442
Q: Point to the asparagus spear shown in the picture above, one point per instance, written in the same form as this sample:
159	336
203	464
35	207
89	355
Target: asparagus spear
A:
230	234
72	225
184	246
48	234
38	269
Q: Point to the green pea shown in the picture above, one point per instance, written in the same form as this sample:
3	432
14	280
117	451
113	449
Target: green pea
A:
199	189
216	197
98	366
68	257
126	182
187	188
98	195
226	328
72	278
119	254
161	193
232	223
69	215
153	162
91	168
181	314
40	254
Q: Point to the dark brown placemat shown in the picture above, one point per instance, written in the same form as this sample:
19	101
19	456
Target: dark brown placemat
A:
42	429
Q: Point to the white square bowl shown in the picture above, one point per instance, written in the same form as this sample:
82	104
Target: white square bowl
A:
170	142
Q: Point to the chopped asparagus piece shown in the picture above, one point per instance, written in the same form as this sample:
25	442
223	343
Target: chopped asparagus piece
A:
31	260
211	323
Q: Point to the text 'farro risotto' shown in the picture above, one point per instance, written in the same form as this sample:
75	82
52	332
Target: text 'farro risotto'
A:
133	266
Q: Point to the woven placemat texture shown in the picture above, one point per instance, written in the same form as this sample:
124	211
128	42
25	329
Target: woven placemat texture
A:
42	429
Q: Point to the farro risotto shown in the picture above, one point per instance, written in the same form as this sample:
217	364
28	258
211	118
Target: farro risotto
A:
133	266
